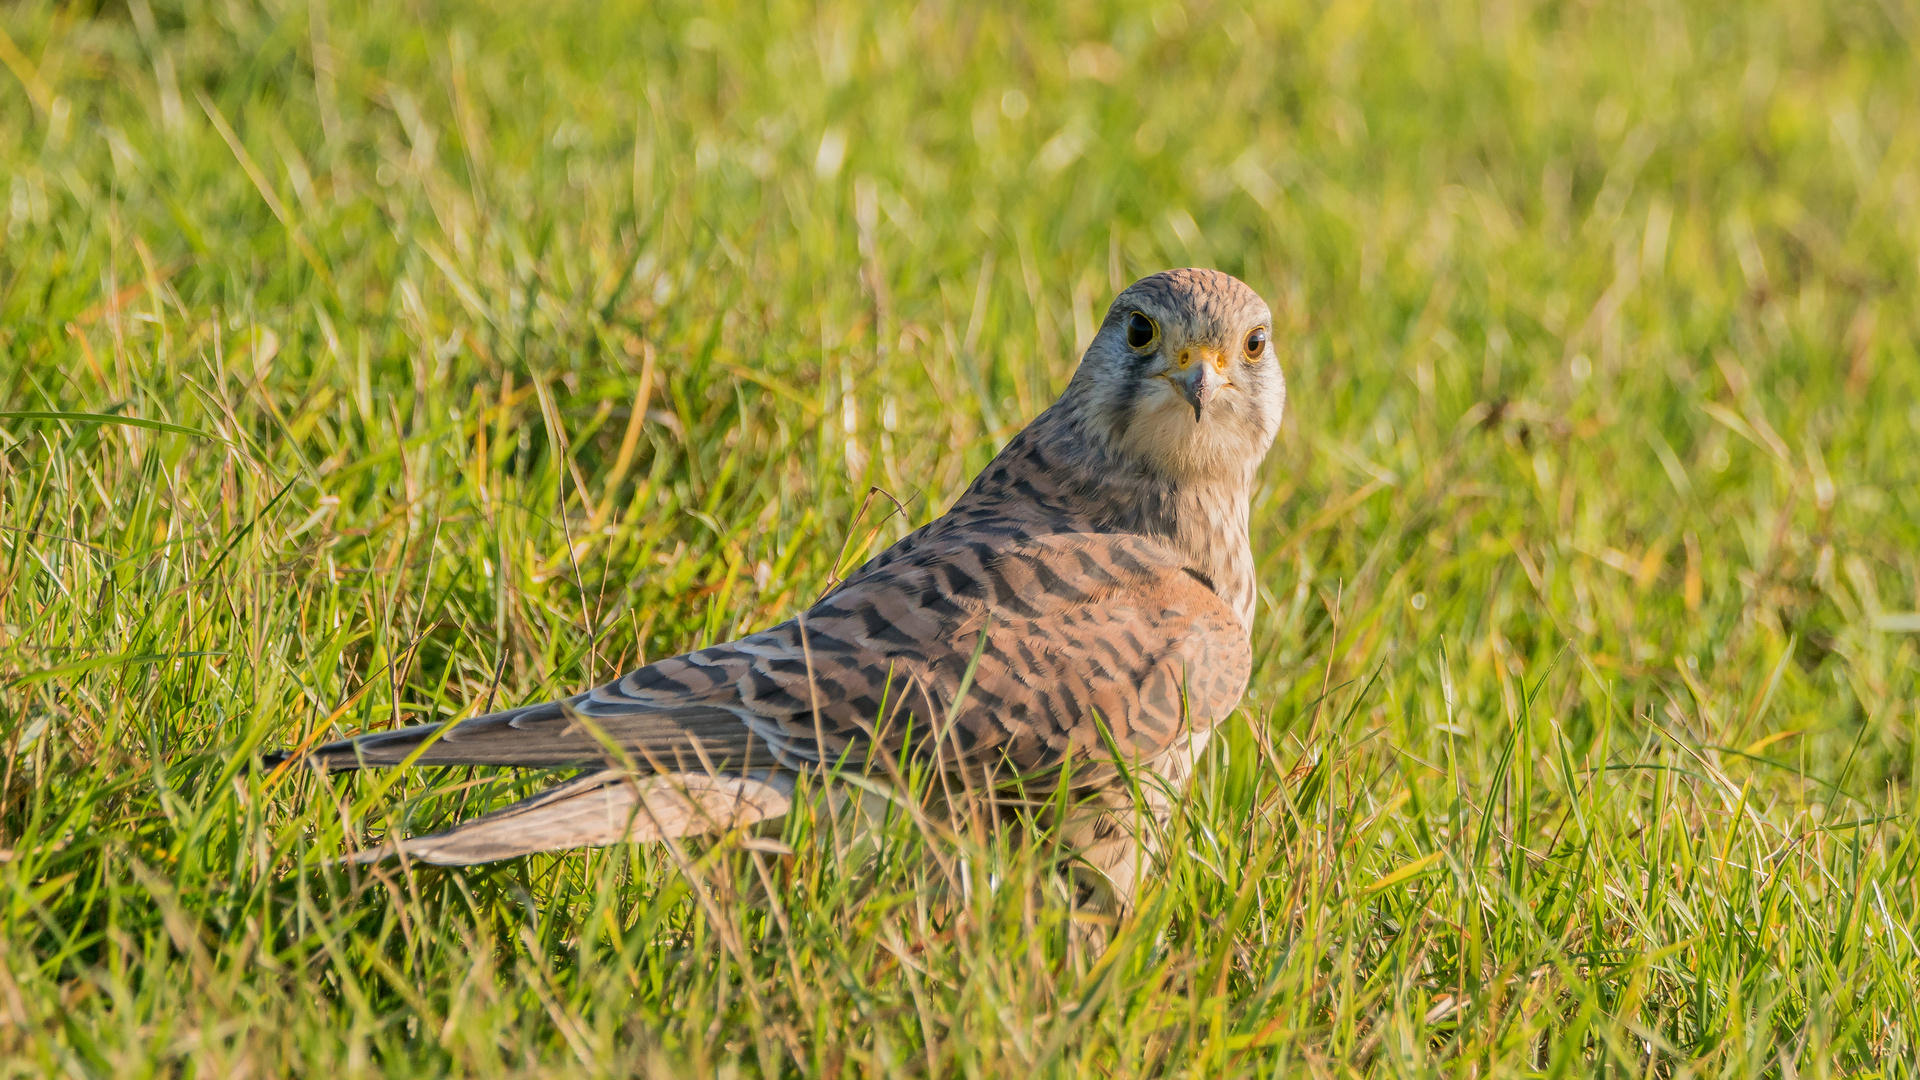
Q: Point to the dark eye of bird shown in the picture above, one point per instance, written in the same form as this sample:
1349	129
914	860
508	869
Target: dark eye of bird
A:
1139	330
1256	343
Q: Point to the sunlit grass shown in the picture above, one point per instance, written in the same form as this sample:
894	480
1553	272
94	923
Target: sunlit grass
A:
366	365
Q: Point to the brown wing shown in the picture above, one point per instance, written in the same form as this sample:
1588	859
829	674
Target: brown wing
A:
1077	625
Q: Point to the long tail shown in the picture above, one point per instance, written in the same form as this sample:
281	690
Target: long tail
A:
599	809
573	732
669	764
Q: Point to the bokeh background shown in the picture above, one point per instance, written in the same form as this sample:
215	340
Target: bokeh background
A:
365	363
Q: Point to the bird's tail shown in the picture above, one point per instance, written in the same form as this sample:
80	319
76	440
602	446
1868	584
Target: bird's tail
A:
599	809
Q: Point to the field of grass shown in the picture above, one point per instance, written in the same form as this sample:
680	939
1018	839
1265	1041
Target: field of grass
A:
438	356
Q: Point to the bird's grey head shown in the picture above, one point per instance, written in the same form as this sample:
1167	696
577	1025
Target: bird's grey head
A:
1184	377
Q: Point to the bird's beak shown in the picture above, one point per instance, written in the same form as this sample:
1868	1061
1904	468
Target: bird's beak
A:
1199	374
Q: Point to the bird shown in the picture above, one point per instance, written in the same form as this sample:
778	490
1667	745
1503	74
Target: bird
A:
1082	610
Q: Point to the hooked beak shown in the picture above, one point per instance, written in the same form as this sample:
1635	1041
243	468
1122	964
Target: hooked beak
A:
1199	374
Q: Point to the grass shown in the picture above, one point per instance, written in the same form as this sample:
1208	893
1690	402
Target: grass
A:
367	363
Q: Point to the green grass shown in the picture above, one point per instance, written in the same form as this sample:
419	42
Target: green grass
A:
446	354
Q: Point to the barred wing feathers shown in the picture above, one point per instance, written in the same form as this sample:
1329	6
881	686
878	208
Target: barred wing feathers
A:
1077	625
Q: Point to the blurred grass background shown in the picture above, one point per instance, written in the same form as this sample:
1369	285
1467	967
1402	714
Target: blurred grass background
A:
447	356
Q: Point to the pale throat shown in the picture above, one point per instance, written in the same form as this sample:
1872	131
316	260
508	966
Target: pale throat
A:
1204	515
1210	482
1210	528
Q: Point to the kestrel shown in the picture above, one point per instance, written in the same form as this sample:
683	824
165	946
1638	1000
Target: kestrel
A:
1082	610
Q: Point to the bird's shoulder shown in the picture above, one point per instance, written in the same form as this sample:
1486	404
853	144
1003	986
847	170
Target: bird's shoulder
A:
1018	566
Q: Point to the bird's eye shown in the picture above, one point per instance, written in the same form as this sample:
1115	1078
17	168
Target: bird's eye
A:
1141	331
1256	343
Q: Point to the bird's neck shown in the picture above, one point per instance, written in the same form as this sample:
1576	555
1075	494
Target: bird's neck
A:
1058	470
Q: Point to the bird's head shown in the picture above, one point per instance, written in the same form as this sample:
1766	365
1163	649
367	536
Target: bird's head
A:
1184	376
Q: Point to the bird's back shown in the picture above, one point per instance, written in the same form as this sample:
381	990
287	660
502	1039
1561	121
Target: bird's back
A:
1052	602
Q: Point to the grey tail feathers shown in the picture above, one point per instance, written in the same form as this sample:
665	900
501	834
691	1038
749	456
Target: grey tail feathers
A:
574	732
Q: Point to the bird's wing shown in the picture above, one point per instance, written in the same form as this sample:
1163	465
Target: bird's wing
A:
1063	633
1077	626
659	737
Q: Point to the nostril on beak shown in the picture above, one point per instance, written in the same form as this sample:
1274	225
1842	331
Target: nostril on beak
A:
1203	355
